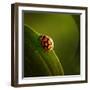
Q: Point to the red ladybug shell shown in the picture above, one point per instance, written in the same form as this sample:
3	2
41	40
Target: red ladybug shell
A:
46	42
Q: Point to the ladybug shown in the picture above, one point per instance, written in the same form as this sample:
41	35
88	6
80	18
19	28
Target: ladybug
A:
46	42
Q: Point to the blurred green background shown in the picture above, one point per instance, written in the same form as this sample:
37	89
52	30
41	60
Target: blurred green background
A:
64	29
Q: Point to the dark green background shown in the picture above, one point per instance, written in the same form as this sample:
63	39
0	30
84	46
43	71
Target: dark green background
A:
64	29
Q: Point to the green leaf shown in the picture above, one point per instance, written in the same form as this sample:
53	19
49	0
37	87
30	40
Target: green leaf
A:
37	61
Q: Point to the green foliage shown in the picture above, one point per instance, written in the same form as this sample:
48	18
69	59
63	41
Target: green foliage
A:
37	61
